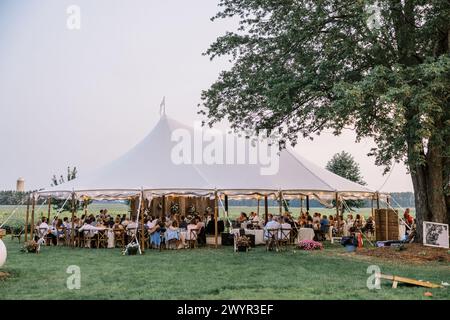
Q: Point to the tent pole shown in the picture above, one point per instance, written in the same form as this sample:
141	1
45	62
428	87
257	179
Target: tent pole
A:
307	203
337	204
371	206
301	204
216	215
49	208
72	231
280	207
163	209
26	219
226	204
33	204
266	209
378	200
142	222
257	208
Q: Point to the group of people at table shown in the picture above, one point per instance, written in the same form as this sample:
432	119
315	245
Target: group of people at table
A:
122	230
182	230
322	225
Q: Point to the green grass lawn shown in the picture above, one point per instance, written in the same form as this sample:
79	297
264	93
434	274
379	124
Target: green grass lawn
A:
208	273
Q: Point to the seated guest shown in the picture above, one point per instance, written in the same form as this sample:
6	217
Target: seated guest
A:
242	217
309	222
125	222
66	223
191	228
183	223
173	233
117	227
254	217
285	225
272	224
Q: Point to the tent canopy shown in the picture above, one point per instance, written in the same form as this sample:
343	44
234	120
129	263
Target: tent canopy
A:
149	167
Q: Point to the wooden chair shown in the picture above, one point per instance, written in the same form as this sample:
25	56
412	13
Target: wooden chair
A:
294	235
271	236
17	233
284	238
62	236
144	235
87	237
102	238
119	238
192	236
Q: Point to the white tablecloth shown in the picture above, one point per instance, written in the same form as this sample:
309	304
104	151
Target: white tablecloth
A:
305	234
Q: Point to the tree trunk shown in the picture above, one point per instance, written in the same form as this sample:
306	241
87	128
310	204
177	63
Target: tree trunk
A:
430	199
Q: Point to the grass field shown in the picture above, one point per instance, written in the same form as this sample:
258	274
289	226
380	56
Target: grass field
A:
118	208
209	274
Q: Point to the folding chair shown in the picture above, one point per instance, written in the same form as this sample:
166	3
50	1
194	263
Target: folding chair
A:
61	236
119	237
191	237
102	238
284	237
17	233
271	236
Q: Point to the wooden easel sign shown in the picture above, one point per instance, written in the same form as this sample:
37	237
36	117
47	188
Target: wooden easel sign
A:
435	234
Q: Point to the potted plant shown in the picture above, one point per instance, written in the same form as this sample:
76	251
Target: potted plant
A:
31	247
242	243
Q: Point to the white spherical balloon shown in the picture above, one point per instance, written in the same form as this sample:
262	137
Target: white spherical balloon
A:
2	253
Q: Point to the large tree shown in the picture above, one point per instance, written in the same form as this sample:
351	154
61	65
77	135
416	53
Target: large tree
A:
343	164
381	68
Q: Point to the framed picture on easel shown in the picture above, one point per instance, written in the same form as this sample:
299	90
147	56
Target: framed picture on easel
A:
435	234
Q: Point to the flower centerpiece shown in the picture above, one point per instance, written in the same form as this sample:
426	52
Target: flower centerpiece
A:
31	247
242	243
309	245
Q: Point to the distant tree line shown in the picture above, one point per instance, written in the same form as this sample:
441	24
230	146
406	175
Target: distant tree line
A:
11	197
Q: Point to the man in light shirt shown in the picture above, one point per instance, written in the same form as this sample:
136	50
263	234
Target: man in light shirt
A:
285	226
271	224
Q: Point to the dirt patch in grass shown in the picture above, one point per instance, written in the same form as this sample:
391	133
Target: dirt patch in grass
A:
412	252
4	275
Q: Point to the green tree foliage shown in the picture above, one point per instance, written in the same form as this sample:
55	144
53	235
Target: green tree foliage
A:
345	166
302	66
9	197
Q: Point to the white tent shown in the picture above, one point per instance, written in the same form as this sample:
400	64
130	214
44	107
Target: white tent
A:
149	167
